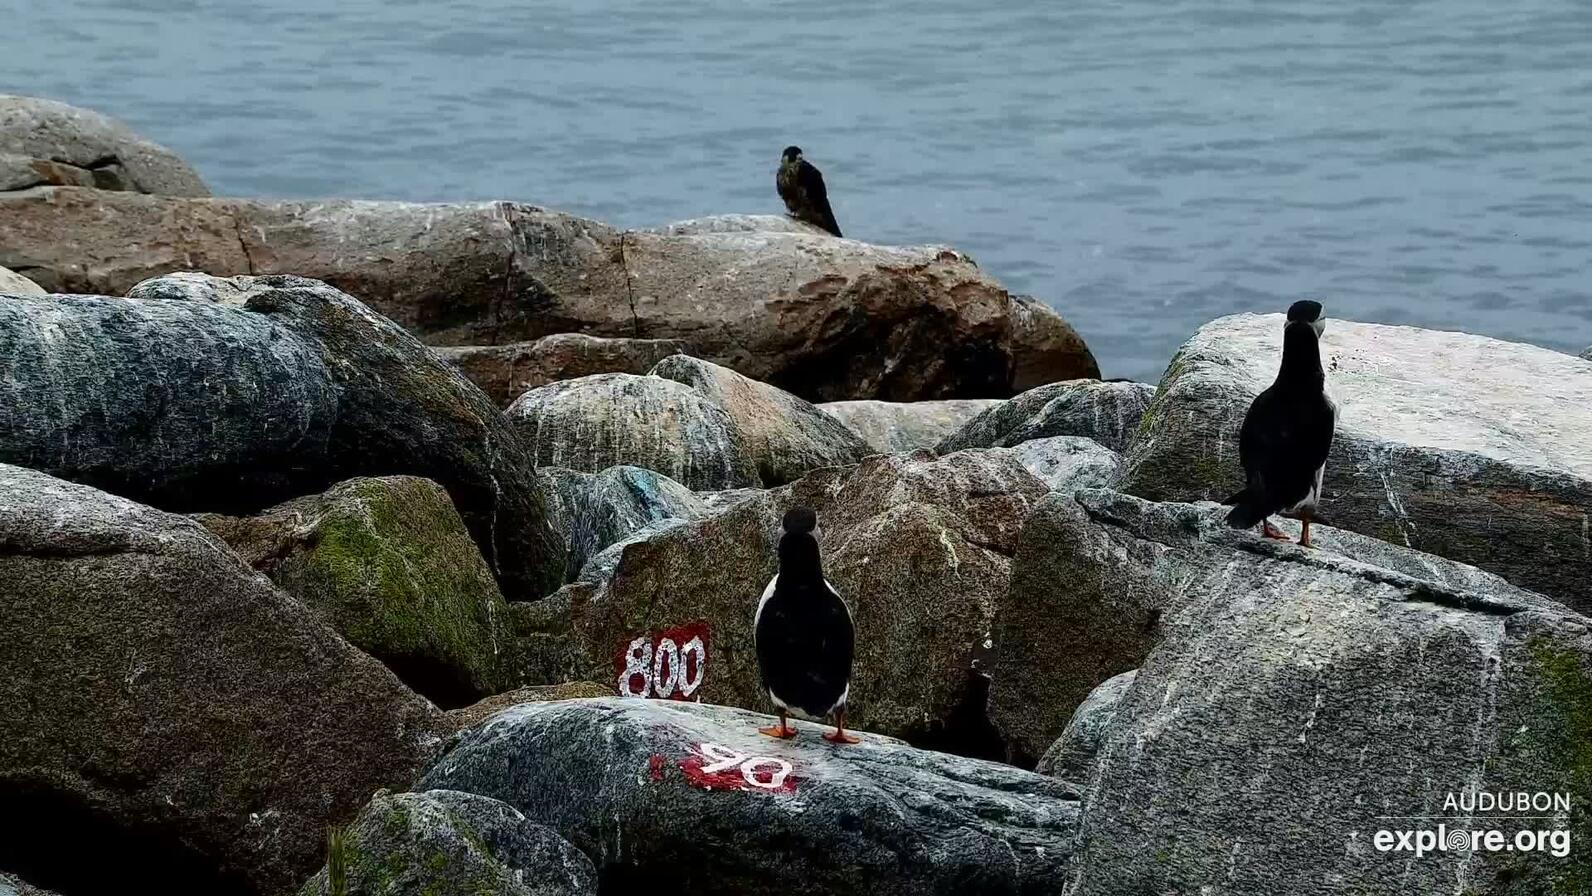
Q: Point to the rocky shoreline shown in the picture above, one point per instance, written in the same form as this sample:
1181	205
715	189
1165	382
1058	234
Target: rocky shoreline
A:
441	527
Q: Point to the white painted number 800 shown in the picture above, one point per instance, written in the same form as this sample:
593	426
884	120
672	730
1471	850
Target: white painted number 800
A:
662	672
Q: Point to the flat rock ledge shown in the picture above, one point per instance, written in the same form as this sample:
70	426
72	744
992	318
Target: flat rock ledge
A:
692	794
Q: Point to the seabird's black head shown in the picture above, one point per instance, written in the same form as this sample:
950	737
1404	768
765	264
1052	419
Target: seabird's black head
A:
800	520
798	547
792	153
1307	311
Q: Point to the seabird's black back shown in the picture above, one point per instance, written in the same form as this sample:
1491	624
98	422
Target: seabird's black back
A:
1287	433
804	634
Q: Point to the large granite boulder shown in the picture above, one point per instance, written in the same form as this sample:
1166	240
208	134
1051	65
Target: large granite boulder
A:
690	798
1107	412
388	563
195	286
919	546
1300	709
1067	463
616	419
164	703
44	142
1457	445
14	284
1072	756
890	427
447	843
788	437
1098	573
595	510
505	372
203	406
822	318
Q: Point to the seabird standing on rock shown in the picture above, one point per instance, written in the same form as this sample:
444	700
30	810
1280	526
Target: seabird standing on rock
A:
804	635
802	188
1287	433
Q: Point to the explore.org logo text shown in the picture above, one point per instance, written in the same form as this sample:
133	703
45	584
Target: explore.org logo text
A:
1483	821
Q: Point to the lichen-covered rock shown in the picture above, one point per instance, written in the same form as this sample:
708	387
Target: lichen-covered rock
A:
919	547
201	406
447	842
822	318
1586	354
692	795
504	372
1297	703
594	510
44	142
1072	756
1098	573
156	690
546	649
14	284
194	286
890	427
617	419
1068	463
788	437
1462	446
388	563
1107	412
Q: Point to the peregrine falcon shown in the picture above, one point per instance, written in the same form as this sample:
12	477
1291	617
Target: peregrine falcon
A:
802	188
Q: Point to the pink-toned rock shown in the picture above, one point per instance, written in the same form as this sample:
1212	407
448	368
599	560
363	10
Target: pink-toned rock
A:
822	318
505	372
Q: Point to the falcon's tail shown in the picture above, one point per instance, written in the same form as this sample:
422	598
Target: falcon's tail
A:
829	220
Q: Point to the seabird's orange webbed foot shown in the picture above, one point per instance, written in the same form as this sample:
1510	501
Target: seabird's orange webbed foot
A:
1304	533
1270	531
783	732
838	736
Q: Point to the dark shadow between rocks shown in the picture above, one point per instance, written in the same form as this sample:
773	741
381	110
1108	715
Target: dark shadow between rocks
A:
439	682
58	843
967	731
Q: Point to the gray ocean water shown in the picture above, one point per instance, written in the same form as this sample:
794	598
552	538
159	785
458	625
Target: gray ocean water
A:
1142	165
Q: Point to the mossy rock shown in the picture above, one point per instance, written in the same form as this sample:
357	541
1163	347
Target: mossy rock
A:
388	563
447	843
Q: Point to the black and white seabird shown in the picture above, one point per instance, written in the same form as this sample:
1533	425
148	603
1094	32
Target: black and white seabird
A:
802	188
1287	433
804	635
